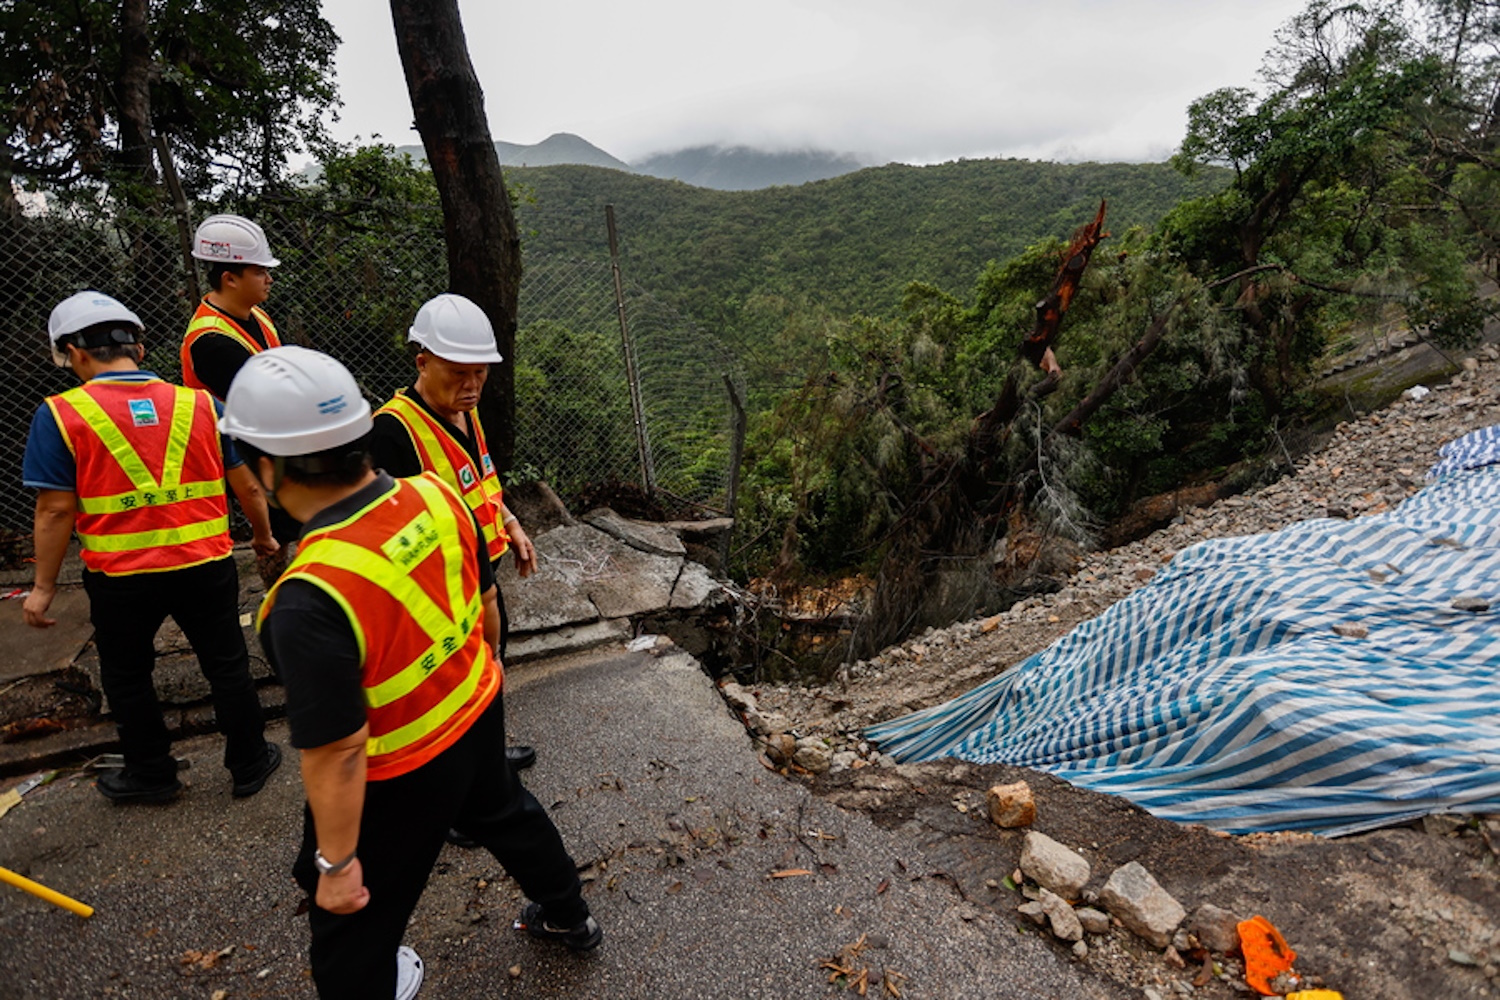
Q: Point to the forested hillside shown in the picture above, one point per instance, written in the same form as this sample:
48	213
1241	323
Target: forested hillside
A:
849	244
913	418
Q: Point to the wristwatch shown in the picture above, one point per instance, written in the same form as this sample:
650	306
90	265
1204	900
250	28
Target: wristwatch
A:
326	867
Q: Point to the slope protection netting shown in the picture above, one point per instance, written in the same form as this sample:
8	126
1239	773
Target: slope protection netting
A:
1317	678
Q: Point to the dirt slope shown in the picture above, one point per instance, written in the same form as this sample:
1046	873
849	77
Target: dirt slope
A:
1412	912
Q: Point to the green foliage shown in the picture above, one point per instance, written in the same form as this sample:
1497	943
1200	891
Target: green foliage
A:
568	388
850	245
361	249
233	85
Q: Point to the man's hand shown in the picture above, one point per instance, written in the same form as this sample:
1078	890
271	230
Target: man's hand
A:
343	892
37	603
265	546
521	545
52	529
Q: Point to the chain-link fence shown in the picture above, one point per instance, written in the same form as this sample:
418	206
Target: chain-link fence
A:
352	291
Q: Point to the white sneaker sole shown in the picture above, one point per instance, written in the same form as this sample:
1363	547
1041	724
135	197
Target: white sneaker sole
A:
408	973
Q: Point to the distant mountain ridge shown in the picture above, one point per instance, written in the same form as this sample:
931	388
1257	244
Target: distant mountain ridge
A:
740	168
720	168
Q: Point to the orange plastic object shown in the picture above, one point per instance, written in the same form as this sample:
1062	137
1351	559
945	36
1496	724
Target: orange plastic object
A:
1267	954
1315	995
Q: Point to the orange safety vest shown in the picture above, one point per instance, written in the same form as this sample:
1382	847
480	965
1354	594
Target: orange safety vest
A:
442	452
150	481
401	569
210	320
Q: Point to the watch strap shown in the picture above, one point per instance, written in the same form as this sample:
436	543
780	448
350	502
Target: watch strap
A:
326	867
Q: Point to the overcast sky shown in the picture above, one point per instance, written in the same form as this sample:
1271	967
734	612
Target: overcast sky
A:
888	80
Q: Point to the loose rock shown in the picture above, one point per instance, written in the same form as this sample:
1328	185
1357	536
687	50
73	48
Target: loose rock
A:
781	747
813	755
1053	866
1143	906
1215	928
1093	921
1034	911
1065	925
1011	806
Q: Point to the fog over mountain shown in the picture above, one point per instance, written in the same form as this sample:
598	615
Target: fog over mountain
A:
734	168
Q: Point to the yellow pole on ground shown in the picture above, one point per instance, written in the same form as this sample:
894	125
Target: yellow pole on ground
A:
37	889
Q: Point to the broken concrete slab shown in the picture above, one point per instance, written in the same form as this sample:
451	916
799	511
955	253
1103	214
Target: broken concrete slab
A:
645	536
707	531
694	586
571	561
545	600
571	639
641	584
582	562
27	652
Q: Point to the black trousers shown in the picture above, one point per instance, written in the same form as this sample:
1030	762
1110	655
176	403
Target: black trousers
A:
204	600
469	787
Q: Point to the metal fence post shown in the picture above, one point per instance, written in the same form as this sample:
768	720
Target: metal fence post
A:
642	445
738	426
180	210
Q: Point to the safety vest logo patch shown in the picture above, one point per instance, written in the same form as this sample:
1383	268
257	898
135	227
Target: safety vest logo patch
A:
489	466
466	477
412	543
143	413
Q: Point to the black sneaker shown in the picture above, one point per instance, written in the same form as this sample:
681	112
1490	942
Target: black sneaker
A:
585	937
119	786
520	757
257	781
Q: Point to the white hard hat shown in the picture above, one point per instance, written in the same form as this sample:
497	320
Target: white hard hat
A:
81	311
85	309
456	330
291	401
232	239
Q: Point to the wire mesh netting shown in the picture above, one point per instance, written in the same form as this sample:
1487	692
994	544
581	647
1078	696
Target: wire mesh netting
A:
352	292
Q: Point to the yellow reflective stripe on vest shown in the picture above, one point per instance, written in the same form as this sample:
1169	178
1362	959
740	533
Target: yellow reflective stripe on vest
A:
138	499
486	486
214	324
155	539
434	457
433	717
218	324
114	439
432	495
447	630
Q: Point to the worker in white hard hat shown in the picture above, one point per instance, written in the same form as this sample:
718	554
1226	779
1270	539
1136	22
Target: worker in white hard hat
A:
137	467
383	630
434	426
230	326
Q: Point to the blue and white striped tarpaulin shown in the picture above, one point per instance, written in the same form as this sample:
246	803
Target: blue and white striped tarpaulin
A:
1472	451
1221	693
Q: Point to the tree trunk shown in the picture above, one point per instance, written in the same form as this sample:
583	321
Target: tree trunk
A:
155	287
484	247
135	102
